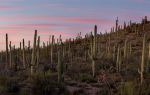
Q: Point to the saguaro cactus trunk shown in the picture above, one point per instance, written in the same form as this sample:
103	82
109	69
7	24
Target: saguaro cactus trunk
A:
38	50
143	59
52	49
125	50
33	53
60	68
23	52
10	55
7	55
118	63
93	50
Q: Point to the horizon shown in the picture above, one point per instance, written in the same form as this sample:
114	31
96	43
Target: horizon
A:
19	18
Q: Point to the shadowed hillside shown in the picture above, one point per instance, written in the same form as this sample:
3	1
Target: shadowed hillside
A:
114	63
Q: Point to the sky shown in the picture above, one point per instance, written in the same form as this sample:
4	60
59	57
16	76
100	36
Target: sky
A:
19	18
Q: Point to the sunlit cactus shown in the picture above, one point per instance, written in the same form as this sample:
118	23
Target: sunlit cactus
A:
93	51
141	70
60	68
125	50
38	51
33	60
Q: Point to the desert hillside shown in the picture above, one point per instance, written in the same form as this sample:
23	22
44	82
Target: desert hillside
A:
113	63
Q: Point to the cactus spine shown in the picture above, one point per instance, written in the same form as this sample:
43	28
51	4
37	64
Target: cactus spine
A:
143	59
33	53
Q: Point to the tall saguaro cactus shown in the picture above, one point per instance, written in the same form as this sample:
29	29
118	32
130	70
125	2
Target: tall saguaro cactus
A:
93	50
33	60
38	50
118	63
141	70
60	68
7	55
10	55
52	49
125	50
23	52
117	24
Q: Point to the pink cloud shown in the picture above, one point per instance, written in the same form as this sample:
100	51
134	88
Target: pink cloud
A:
55	19
9	7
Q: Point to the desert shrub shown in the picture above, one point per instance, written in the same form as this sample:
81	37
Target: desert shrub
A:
145	89
44	84
127	88
8	85
86	78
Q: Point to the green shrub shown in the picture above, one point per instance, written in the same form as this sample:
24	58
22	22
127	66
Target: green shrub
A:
43	84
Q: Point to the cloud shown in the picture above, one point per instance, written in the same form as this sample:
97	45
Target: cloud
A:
11	7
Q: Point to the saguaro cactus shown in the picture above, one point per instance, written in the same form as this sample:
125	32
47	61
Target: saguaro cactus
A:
117	24
7	55
143	59
114	53
118	63
23	54
33	53
125	50
148	61
60	68
29	45
108	47
93	51
130	48
52	49
38	50
10	55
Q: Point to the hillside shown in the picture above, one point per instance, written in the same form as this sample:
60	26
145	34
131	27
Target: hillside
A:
114	63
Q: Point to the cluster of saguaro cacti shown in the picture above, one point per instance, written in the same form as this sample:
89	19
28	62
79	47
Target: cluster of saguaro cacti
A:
93	50
54	52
